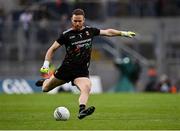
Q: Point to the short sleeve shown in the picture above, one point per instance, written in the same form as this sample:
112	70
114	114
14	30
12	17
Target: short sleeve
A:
61	40
95	31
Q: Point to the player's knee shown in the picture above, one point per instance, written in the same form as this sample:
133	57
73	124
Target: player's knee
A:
87	88
45	88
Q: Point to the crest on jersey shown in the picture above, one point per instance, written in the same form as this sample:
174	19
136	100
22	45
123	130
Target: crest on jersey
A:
87	33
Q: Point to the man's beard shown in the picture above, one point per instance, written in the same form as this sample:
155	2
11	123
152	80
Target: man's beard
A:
78	27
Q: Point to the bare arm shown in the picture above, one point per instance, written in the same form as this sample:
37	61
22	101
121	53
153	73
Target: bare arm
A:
110	32
51	51
48	57
113	32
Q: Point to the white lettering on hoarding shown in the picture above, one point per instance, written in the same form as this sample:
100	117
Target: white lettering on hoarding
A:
17	86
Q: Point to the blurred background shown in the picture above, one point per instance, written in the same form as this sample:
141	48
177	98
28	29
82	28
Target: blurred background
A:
149	62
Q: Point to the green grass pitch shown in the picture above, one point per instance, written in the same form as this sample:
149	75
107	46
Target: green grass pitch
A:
113	112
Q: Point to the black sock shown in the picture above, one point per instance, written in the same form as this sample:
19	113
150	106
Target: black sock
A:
81	107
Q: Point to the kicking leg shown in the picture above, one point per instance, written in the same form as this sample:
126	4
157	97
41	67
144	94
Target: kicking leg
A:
84	85
49	84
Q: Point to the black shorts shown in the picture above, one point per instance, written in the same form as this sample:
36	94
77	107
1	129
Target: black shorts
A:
68	74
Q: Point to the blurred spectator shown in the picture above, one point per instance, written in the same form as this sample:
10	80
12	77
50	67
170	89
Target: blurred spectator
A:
130	71
152	79
165	85
63	22
177	84
26	19
14	16
134	77
42	34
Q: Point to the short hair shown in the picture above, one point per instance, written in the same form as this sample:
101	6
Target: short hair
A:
78	12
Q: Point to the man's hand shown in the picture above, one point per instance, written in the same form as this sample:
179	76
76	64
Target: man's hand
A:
44	70
129	34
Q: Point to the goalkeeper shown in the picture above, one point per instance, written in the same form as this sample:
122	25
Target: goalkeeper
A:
74	68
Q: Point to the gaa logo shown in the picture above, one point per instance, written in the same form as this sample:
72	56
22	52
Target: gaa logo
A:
18	86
